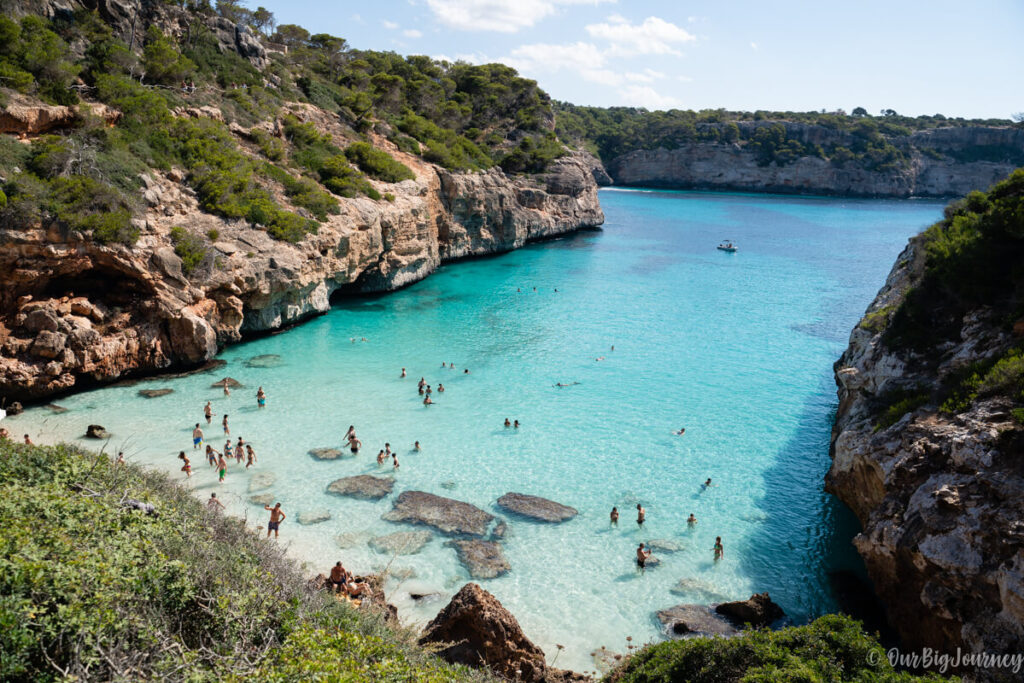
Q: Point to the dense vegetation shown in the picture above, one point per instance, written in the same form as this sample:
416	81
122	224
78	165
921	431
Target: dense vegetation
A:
974	262
833	648
87	180
94	590
872	141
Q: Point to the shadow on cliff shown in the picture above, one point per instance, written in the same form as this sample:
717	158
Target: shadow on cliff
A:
796	506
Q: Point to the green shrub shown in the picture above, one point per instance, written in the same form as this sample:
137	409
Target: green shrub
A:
378	163
213	234
877	320
190	248
304	192
832	648
899	404
389	197
89	205
162	61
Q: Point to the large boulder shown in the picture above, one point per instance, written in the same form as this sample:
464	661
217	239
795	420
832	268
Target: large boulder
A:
326	453
477	631
96	432
448	516
231	383
155	393
758	610
534	507
261	480
365	486
483	559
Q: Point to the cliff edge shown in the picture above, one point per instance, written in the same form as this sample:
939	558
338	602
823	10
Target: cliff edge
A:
928	443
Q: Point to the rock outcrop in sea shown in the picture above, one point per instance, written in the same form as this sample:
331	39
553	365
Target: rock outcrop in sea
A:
938	495
452	517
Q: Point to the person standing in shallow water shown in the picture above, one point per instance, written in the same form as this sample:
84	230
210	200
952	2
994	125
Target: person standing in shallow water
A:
615	516
641	558
394	459
641	515
197	437
261	398
208	412
224	422
222	465
213	504
719	548
276	517
691	521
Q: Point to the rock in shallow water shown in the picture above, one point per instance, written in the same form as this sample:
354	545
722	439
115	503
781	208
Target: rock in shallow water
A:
262	480
155	393
444	514
262	499
351	539
758	610
314	517
684	620
267	360
96	432
326	453
365	486
664	545
56	409
401	542
536	508
230	381
698	589
483	559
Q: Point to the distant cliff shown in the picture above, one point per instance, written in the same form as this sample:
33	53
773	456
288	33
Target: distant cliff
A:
939	163
928	443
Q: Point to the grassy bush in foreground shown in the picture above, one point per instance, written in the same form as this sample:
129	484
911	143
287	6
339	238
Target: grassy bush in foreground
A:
93	590
832	648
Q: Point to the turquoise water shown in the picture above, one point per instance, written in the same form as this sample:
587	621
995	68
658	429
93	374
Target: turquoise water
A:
737	348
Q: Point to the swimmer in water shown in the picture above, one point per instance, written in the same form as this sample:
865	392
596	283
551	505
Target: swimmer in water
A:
719	548
515	424
380	457
706	485
416	446
615	516
427	401
508	423
466	371
682	430
440	388
394	459
403	372
641	515
691	521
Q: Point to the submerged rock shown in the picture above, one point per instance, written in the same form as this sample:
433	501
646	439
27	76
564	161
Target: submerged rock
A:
262	499
448	485
401	542
229	381
155	393
267	360
56	409
326	453
697	588
476	630
262	480
483	559
96	432
534	507
314	517
365	486
444	514
351	539
664	545
683	620
758	610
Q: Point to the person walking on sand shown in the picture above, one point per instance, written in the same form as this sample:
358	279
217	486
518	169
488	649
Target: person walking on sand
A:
276	517
641	558
641	515
222	465
261	398
224	422
197	437
615	516
208	412
213	504
719	548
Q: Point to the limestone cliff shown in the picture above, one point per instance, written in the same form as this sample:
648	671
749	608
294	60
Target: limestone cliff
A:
938	491
939	164
74	312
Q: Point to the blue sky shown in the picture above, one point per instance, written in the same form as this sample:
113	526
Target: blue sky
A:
917	57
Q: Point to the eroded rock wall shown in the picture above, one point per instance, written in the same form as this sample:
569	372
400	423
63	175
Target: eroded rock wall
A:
74	312
938	496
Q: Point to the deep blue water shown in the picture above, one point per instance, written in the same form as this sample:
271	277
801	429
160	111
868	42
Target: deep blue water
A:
737	348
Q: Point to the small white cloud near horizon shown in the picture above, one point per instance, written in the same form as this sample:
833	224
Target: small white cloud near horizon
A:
654	36
647	97
550	57
502	16
390	25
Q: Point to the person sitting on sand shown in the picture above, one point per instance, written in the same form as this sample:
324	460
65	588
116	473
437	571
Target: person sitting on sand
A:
691	521
354	588
276	517
213	504
641	558
615	516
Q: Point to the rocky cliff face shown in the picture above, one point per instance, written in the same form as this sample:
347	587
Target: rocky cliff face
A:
74	312
723	166
938	496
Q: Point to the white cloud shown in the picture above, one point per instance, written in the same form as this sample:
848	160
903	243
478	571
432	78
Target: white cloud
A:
645	76
548	57
412	33
654	36
648	97
389	25
753	45
504	16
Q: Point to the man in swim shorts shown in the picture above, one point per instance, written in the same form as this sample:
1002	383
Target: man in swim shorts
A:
208	412
276	517
197	437
339	577
213	504
641	514
222	465
615	516
641	558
